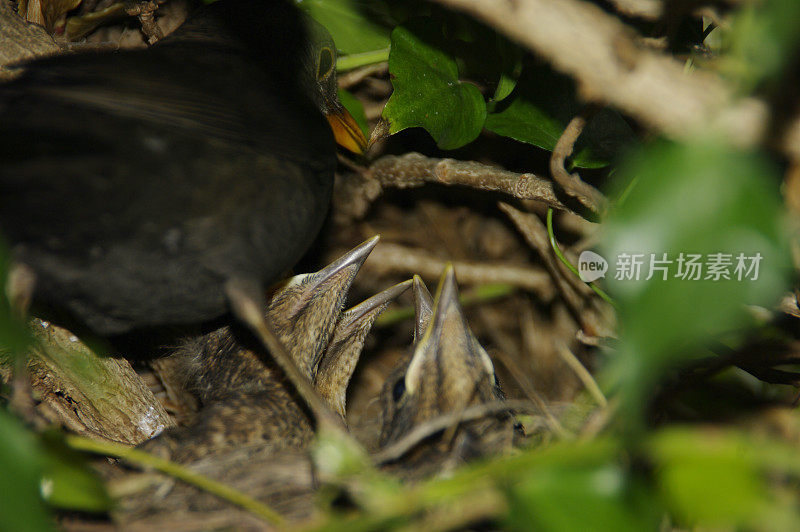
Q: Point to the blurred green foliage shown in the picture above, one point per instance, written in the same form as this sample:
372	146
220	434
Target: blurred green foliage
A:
21	507
602	494
36	468
726	478
696	198
762	41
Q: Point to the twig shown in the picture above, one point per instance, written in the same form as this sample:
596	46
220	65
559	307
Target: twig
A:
572	183
600	52
439	423
583	374
145	11
414	169
644	9
522	380
394	258
535	234
172	469
357	76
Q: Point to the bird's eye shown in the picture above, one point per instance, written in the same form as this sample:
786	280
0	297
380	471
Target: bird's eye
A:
399	389
325	64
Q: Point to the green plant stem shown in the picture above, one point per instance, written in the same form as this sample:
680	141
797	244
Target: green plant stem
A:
557	250
627	192
349	62
141	458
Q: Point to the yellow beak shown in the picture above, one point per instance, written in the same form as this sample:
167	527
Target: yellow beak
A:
346	132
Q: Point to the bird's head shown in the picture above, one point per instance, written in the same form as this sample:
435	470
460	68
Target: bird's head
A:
448	372
319	73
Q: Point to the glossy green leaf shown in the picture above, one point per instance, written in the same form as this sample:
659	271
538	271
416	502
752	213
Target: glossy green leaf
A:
538	110
21	505
357	26
427	91
700	198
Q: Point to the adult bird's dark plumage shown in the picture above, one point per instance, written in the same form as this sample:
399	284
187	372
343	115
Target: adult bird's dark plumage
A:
135	184
169	185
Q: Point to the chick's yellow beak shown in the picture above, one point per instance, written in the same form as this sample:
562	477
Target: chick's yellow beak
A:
346	132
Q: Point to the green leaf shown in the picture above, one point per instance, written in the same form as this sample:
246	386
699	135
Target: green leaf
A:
21	506
482	55
716	478
355	108
37	469
357	26
604	496
67	481
538	110
762	40
701	198
511	68
720	488
427	91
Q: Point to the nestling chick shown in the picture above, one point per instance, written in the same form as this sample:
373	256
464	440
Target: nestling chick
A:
448	371
244	396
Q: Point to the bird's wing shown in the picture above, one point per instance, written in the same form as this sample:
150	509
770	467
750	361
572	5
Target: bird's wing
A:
200	90
102	130
150	88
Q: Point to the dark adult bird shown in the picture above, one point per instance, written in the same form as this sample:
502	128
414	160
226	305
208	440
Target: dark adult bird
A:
169	185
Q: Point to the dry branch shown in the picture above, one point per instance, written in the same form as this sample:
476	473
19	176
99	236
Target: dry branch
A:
441	422
601	54
145	11
535	234
644	9
99	397
572	290
572	183
414	169
394	258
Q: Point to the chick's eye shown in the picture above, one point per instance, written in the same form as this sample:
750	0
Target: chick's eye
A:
325	64
399	389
